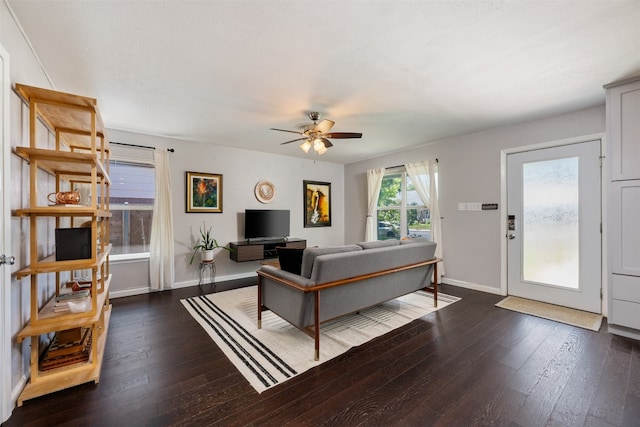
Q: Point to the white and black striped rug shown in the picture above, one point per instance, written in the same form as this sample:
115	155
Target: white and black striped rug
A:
279	351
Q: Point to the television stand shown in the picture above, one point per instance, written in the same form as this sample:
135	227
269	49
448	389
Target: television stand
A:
257	250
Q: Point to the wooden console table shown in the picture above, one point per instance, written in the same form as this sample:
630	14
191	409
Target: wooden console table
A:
262	249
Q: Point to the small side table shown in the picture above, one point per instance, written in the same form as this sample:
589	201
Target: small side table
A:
204	266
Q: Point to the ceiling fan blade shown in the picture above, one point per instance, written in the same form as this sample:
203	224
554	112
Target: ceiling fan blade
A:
285	130
324	126
293	140
326	142
344	135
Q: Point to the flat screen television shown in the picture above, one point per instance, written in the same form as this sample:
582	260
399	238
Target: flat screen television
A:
266	224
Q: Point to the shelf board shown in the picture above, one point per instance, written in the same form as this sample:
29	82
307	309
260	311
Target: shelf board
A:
50	321
71	375
64	210
50	265
66	112
66	163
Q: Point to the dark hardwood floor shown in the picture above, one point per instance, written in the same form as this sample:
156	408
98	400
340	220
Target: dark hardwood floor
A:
468	364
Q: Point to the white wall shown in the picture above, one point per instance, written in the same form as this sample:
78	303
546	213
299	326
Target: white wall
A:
241	170
24	69
469	171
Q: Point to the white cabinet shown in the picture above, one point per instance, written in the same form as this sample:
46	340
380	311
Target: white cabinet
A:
624	221
623	210
623	130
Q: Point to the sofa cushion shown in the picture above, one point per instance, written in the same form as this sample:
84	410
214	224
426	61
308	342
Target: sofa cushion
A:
290	259
409	240
310	254
332	267
379	244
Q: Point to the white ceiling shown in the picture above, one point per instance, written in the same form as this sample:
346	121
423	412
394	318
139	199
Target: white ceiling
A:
403	73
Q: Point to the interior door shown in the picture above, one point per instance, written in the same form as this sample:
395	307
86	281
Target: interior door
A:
554	248
5	243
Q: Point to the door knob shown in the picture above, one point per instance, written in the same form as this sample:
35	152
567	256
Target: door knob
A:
511	236
7	260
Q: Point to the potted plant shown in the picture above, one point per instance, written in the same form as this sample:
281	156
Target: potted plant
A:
206	246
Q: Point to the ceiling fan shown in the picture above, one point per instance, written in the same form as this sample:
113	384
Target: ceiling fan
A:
317	135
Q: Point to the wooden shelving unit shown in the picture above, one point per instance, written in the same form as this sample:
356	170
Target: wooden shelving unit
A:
80	157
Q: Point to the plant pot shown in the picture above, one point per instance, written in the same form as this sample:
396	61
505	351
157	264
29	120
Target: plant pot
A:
206	256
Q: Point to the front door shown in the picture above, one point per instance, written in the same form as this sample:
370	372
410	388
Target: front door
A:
554	225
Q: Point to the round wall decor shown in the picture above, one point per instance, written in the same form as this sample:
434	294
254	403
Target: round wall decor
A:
265	191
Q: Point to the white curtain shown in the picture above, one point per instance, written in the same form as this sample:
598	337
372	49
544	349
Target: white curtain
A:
374	182
161	267
423	177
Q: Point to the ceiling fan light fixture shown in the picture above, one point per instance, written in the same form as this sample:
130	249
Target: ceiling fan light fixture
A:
319	146
305	146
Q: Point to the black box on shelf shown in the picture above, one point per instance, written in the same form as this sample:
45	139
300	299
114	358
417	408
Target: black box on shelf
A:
73	243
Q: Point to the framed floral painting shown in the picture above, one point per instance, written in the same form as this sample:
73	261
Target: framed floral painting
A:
204	192
317	204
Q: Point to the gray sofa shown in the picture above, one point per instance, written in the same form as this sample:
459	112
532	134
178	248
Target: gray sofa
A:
335	281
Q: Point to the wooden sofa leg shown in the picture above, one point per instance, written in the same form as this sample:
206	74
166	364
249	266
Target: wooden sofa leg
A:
259	302
435	284
316	332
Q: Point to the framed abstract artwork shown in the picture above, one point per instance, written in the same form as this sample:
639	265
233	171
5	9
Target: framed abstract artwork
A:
317	204
204	192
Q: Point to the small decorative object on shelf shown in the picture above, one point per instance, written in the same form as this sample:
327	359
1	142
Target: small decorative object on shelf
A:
206	246
65	198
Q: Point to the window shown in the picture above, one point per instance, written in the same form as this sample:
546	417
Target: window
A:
401	212
131	199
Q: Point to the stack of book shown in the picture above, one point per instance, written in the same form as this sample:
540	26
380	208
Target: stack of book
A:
67	347
62	301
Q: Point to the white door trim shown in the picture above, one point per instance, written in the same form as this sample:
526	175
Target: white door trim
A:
6	404
503	202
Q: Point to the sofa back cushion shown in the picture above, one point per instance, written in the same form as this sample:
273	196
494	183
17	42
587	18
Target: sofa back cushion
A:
290	259
410	240
379	244
332	267
309	256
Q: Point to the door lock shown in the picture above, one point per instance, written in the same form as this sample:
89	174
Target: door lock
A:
511	226
7	260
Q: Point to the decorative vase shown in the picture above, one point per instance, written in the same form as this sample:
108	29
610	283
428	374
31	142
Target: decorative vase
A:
206	256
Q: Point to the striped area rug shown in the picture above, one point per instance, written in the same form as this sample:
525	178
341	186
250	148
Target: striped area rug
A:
278	352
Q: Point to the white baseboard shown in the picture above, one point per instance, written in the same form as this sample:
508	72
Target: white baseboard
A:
128	292
17	389
622	331
473	286
177	285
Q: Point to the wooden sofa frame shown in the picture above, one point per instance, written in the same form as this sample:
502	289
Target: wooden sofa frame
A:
314	330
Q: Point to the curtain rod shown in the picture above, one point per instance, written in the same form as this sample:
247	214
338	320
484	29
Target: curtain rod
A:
400	166
171	150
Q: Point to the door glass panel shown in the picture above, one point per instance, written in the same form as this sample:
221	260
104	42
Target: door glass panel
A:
550	232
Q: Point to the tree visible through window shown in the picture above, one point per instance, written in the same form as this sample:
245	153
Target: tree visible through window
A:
401	212
131	198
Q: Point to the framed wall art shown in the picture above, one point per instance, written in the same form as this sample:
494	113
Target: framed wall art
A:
204	192
317	204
